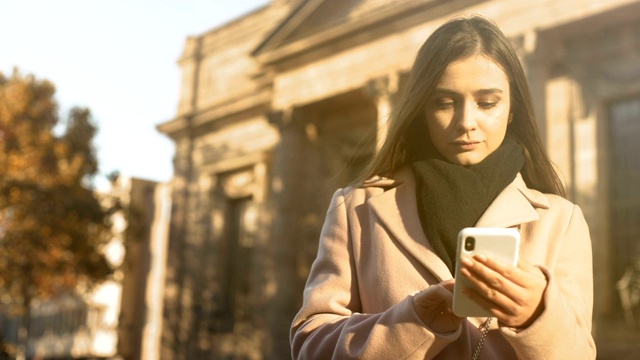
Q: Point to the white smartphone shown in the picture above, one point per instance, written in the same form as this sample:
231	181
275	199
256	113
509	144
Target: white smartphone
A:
500	244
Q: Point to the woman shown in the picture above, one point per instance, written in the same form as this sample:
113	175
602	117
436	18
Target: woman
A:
462	150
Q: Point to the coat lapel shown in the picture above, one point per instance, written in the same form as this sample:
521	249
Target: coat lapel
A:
513	206
397	210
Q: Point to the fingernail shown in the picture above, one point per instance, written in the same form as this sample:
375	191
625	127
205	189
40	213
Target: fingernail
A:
467	262
481	257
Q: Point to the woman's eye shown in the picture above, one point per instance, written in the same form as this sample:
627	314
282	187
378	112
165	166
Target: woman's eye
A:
445	104
487	104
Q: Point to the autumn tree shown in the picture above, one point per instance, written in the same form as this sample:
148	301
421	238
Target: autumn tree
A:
52	224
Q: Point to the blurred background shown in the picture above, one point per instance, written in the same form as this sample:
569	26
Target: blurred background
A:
224	127
118	58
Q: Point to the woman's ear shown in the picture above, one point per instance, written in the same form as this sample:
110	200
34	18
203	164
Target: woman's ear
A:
510	118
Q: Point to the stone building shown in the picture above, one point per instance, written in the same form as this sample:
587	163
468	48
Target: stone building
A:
283	105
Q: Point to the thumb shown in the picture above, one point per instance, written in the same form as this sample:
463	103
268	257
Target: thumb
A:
448	284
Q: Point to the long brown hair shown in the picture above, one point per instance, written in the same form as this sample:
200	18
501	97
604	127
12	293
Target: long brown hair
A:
408	138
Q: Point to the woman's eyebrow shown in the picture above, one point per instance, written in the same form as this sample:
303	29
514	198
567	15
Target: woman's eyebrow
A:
443	91
489	91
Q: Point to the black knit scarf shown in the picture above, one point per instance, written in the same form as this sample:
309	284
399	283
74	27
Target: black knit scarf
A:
452	197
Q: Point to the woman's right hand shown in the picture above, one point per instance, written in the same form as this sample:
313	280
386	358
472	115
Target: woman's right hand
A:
434	307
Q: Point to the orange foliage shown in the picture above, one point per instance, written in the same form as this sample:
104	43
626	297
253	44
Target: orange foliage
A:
52	227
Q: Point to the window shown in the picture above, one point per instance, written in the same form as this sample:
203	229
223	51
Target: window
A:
236	264
624	165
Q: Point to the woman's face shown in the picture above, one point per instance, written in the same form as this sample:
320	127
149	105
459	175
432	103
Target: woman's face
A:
468	113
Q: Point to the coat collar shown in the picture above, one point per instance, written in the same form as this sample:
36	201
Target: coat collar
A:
397	210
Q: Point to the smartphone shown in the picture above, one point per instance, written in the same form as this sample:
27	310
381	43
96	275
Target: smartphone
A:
500	244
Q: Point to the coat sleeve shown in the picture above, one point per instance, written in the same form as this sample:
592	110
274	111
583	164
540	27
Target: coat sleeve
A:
563	330
330	324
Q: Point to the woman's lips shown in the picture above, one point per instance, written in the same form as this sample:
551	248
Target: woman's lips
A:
466	145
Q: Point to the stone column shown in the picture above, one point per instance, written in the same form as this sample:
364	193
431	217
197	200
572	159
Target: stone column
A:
382	91
286	177
535	61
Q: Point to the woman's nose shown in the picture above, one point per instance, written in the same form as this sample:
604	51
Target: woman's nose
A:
467	117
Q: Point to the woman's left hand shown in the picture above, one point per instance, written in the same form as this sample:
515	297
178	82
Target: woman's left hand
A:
511	294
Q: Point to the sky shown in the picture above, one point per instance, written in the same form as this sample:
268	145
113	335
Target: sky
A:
119	59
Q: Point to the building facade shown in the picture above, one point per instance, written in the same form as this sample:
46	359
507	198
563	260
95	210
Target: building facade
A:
282	106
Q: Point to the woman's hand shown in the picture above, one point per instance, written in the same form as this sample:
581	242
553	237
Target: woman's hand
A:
512	294
433	305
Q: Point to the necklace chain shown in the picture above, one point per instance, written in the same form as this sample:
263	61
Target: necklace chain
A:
487	325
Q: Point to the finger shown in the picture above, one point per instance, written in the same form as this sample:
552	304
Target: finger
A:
522	276
487	275
493	308
499	296
506	270
433	306
529	268
435	296
506	316
445	294
448	284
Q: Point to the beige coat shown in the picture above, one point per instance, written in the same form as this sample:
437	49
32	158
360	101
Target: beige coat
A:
373	256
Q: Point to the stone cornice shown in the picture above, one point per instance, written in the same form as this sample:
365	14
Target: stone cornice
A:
232	107
235	163
271	50
173	126
288	25
212	113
